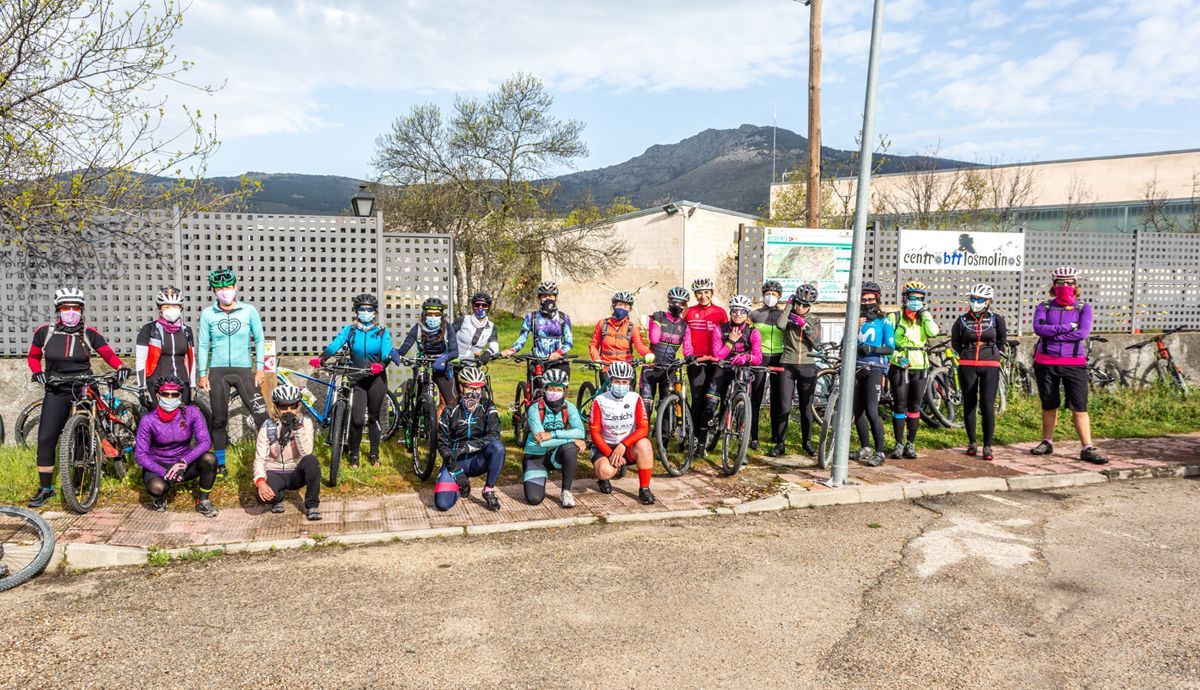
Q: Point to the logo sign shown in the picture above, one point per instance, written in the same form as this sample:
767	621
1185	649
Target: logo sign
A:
270	361
820	257
954	250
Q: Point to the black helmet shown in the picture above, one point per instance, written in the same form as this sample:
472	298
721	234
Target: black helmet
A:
433	303
773	286
366	300
806	293
481	296
872	286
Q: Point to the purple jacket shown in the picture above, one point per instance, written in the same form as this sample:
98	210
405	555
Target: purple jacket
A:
1062	333
162	444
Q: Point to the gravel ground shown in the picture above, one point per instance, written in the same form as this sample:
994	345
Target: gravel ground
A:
1083	587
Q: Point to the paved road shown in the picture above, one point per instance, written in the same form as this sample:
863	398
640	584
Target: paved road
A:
1088	587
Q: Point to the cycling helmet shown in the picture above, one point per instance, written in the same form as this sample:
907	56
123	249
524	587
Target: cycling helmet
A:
914	286
168	383
556	377
222	277
473	377
547	287
620	370
68	296
740	302
623	296
982	290
772	286
678	294
1066	273
806	293
286	394
433	303
366	300
169	295
481	296
703	284
872	286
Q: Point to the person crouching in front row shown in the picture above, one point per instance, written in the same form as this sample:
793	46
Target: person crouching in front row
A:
283	455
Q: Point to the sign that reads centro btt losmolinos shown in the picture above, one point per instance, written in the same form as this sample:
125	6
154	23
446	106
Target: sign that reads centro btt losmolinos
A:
956	250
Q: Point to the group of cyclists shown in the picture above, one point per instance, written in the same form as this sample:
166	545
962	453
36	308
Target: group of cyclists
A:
174	444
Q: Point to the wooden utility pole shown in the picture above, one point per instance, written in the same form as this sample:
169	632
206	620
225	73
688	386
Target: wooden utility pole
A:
813	191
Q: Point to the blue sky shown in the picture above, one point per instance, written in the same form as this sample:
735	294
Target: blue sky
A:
309	84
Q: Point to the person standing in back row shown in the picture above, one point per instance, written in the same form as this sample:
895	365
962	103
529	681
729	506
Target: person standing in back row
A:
226	332
766	320
702	318
913	326
801	338
979	336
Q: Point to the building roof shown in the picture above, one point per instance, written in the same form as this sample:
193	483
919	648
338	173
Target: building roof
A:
682	204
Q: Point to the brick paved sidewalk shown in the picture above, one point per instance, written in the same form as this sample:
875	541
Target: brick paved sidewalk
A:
138	526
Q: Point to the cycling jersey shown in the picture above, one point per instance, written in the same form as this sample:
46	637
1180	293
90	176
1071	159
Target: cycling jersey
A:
165	349
911	336
462	433
614	341
618	420
701	321
442	343
367	346
747	349
668	334
225	338
799	342
68	351
766	320
877	333
550	334
565	426
475	336
1062	332
165	439
979	339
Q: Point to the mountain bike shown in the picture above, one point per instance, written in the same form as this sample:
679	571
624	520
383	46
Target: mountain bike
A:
93	438
828	420
319	406
334	418
123	402
1015	376
26	544
588	390
943	395
828	358
673	419
528	392
734	414
1104	372
418	414
1163	370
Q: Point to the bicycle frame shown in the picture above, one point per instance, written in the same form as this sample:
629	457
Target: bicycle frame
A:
323	416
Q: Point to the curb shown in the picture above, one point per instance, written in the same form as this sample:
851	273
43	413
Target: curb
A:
81	557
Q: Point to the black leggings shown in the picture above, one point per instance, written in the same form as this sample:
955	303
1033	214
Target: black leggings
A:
979	386
222	380
203	468
756	398
565	456
366	402
655	383
698	378
446	388
799	380
908	393
56	407
307	474
867	384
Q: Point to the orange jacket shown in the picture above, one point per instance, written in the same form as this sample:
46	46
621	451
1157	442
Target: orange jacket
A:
614	341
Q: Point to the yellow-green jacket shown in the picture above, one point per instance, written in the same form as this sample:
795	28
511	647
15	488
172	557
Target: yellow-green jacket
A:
912	334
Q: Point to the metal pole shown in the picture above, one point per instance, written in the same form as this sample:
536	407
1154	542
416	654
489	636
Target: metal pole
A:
813	188
841	446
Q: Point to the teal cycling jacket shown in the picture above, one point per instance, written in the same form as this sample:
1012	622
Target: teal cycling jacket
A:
223	338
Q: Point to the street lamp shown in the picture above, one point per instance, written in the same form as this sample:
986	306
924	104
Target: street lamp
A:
363	202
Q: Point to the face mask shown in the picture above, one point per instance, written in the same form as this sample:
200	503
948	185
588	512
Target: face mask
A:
70	319
471	399
172	314
1065	294
366	316
914	305
549	306
620	314
771	300
675	309
619	389
868	309
433	322
554	396
169	404
978	306
226	296
481	313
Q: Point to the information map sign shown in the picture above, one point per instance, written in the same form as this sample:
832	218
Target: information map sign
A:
794	256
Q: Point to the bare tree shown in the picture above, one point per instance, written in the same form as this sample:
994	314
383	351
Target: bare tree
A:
1076	210
1154	215
89	159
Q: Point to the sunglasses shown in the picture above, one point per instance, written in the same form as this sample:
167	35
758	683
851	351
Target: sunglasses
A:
479	305
739	312
978	300
804	304
368	309
1065	282
287	406
169	394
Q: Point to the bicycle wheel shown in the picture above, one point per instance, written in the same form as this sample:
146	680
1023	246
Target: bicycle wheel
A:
939	407
26	544
1106	374
820	398
79	464
424	446
520	428
825	445
339	416
27	423
1181	384
673	427
389	416
119	450
1001	396
735	437
1024	379
587	391
1164	373
1	431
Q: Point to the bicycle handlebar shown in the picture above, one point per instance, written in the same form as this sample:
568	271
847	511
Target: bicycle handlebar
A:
1160	336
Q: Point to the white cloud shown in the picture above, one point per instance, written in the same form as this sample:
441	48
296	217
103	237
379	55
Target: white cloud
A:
989	14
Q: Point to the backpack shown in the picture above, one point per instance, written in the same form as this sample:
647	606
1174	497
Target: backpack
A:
628	330
565	416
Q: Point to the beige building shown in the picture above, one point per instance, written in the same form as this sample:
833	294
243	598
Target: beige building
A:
668	246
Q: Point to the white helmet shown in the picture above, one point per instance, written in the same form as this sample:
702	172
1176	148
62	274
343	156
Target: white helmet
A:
703	284
982	290
171	296
622	296
1066	273
740	302
472	377
286	394
68	296
620	370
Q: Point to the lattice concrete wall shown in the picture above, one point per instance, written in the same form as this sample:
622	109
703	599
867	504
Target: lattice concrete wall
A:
414	267
751	247
1105	261
1167	293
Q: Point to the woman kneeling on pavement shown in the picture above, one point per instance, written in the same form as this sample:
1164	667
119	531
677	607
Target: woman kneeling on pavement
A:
173	447
555	440
283	455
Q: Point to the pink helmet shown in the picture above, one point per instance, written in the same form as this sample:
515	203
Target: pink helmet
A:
1066	273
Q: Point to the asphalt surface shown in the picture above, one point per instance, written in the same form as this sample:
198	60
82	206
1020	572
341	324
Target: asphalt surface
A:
1093	587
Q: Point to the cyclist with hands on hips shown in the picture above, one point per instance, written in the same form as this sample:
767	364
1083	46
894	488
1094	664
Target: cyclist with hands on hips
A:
979	336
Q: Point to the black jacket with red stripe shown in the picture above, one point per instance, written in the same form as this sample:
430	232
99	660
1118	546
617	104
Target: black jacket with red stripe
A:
68	351
979	338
